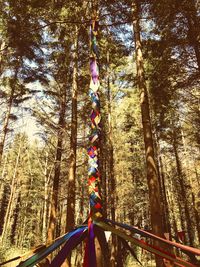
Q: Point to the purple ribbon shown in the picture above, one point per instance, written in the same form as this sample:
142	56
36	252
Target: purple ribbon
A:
74	240
92	252
94	70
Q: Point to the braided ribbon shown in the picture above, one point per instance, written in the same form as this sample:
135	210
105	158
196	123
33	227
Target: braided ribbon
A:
93	150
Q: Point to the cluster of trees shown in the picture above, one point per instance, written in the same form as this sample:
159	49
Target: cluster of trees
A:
150	106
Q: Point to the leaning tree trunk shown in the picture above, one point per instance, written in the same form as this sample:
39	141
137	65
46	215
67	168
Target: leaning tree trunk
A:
152	174
56	179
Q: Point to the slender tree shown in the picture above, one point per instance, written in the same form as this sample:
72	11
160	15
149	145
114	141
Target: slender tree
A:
58	157
152	173
73	140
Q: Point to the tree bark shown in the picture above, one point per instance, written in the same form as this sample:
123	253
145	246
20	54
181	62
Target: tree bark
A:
166	222
6	122
111	166
183	192
197	217
11	198
57	166
4	205
152	173
70	220
193	26
161	182
16	216
46	197
103	168
2	47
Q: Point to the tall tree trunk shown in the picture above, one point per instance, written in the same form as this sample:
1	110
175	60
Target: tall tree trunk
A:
197	216
152	174
166	205
16	216
160	180
46	196
2	48
183	193
6	122
103	167
174	223
70	220
111	166
187	170
21	234
11	198
111	155
193	29
166	222
57	166
4	205
3	173
185	200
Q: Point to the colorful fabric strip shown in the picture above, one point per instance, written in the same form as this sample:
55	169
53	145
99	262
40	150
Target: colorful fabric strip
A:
73	241
37	257
150	235
95	117
144	245
92	252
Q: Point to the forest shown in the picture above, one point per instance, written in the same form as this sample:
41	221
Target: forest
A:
147	123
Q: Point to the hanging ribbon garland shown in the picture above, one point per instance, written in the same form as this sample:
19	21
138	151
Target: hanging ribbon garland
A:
95	117
93	150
